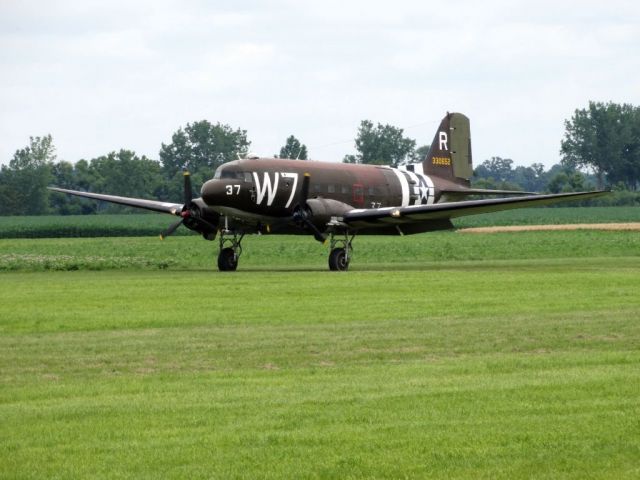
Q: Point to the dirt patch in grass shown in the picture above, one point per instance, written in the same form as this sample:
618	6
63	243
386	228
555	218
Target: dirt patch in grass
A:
633	226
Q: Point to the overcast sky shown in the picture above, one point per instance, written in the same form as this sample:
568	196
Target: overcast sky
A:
100	76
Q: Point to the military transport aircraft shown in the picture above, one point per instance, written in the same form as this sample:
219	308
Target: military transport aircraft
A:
336	201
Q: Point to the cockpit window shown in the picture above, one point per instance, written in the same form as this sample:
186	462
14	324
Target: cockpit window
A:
232	174
226	173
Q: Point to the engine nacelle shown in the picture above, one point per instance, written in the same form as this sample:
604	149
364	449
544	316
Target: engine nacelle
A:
322	209
202	219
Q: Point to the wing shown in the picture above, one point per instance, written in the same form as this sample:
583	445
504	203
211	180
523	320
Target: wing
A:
154	205
413	214
484	191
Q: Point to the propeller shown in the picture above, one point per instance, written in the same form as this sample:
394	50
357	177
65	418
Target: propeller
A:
188	193
302	212
174	226
189	212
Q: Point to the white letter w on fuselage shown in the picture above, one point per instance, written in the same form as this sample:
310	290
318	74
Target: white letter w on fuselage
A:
266	187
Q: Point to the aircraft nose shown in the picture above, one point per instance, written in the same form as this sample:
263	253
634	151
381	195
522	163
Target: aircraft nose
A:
213	192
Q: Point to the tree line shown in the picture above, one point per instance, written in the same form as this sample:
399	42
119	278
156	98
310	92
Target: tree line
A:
600	148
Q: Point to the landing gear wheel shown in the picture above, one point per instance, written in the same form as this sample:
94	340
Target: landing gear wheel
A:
227	260
338	261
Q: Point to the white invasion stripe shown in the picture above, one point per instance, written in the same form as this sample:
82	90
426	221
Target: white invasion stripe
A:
432	193
428	180
416	186
404	185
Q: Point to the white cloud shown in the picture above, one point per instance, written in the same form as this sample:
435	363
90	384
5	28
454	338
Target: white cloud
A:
101	76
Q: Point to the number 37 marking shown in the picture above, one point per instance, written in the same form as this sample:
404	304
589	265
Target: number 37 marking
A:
231	189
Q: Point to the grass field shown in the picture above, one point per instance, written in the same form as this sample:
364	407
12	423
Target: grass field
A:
303	253
510	355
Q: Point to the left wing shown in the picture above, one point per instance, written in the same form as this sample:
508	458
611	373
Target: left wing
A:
154	205
378	217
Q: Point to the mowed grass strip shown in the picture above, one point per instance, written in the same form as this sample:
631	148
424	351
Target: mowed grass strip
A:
277	253
466	369
569	415
68	301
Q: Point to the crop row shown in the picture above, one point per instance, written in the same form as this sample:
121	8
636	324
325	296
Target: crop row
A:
141	225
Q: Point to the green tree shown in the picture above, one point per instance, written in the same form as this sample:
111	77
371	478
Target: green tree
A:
23	183
606	138
64	176
200	147
125	173
78	176
567	181
421	153
381	145
293	149
493	184
531	179
496	168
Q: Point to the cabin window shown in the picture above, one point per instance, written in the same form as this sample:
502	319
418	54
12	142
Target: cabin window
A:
331	189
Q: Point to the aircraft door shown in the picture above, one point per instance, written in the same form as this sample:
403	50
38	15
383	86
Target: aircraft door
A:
358	194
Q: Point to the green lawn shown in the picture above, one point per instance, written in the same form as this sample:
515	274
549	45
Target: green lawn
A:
440	356
275	252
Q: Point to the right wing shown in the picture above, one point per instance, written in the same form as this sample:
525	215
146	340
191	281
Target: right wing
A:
154	205
414	214
484	191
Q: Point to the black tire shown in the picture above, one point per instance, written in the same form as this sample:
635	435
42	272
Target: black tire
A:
227	261
338	260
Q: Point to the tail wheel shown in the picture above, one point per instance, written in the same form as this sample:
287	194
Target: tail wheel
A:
338	261
227	260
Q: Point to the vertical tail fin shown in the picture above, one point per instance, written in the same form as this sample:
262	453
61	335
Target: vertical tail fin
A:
450	154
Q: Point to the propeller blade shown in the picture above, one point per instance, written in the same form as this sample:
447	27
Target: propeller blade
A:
188	194
302	214
317	234
172	228
304	192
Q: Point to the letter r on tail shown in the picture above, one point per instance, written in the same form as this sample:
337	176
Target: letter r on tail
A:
443	141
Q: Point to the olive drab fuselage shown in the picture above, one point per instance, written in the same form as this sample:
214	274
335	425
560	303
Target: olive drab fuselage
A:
268	190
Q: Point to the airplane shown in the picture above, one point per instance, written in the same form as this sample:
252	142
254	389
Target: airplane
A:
337	201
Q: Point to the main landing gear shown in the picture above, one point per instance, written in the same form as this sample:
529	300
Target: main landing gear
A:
230	250
340	252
